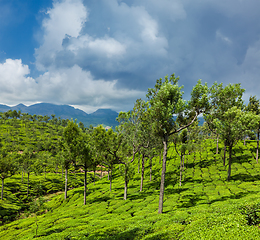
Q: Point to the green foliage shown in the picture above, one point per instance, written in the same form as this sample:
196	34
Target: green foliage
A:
127	171
205	207
252	213
72	141
166	100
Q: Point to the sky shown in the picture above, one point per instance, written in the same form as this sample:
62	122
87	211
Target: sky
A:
94	54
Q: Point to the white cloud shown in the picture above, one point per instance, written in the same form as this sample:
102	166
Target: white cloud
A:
106	47
65	18
150	34
223	38
136	35
75	86
64	86
15	84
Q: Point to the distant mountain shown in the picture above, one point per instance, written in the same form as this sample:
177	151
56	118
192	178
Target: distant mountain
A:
106	117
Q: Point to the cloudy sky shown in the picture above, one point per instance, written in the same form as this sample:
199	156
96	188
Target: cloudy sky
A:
106	53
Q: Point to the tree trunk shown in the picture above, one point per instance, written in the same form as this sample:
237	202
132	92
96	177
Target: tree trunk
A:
85	185
245	141
165	143
125	192
110	181
94	176
62	171
180	175
138	165
150	170
36	222
66	183
108	174
205	149
142	174
28	174
257	147
224	157
217	146
2	190
229	163
181	167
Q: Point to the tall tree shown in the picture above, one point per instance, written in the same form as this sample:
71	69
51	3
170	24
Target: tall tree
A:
44	160
28	157
135	128
70	147
233	127
8	167
85	158
166	102
254	107
229	118
108	144
182	140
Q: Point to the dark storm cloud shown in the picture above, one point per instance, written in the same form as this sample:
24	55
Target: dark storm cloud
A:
107	53
202	39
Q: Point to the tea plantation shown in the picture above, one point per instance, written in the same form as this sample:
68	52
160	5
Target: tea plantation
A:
205	206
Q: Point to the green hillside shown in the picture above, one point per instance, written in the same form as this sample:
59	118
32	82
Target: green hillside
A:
205	206
107	117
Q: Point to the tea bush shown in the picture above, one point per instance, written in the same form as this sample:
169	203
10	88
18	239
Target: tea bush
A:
206	206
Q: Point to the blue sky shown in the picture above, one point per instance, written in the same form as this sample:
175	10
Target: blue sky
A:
105	54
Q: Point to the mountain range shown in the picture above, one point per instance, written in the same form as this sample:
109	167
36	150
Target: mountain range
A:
106	117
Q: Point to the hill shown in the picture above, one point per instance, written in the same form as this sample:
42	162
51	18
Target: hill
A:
106	117
205	206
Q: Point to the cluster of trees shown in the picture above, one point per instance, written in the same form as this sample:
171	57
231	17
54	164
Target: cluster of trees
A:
145	131
27	145
35	118
165	117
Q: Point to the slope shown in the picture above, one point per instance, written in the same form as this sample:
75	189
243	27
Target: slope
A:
106	117
204	207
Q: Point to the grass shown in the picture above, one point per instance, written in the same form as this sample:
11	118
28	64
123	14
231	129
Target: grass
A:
204	207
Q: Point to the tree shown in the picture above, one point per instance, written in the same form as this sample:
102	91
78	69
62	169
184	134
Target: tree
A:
108	145
229	118
44	159
209	120
232	129
46	118
70	147
182	140
185	139
37	207
27	163
81	125
254	107
8	167
85	159
135	128
166	102
154	149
